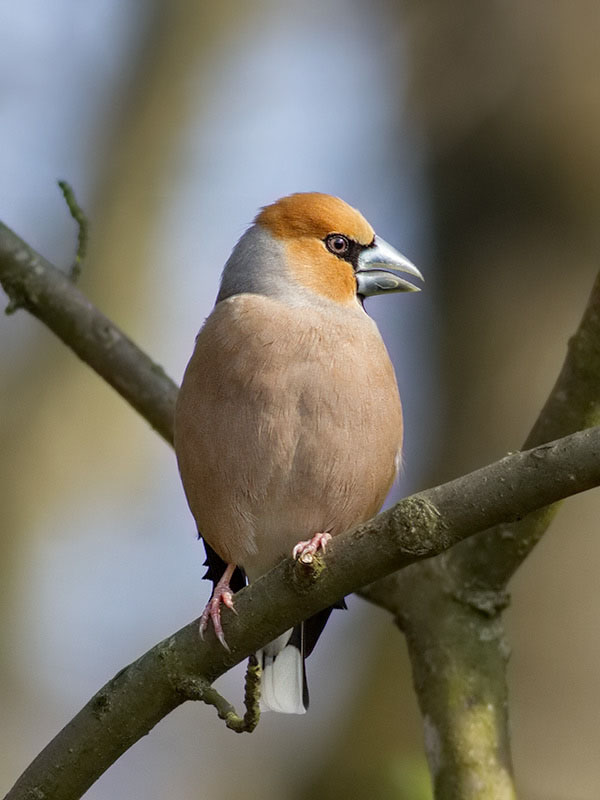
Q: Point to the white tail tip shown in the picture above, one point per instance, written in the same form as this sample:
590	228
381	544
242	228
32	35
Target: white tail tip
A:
283	683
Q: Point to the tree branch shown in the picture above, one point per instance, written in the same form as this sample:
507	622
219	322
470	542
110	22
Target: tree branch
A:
182	666
451	620
573	404
33	283
450	608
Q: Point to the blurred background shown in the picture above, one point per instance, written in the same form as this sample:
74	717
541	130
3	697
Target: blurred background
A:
467	133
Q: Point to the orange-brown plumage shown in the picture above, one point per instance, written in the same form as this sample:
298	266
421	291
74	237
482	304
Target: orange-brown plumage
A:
302	221
320	271
312	214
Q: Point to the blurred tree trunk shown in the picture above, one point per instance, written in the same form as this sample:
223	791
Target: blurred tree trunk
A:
505	101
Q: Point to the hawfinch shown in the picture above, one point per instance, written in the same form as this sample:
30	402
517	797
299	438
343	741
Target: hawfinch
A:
288	426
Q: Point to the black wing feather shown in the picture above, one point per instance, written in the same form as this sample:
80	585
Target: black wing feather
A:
216	568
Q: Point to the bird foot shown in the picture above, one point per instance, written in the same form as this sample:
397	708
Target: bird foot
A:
221	594
304	551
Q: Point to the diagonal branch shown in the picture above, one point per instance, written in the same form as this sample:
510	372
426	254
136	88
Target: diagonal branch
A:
182	666
573	404
451	620
31	282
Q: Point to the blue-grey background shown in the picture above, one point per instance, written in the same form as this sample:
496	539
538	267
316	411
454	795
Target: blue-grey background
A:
175	122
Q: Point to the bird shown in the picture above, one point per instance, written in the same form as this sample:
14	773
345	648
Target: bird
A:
288	423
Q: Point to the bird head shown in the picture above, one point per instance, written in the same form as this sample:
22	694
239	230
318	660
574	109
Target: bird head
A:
316	243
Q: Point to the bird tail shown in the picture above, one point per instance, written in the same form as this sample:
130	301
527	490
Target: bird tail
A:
283	680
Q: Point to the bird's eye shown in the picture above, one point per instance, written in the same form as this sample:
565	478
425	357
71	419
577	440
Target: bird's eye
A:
337	244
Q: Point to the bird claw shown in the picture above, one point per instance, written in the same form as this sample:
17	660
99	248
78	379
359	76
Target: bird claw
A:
221	594
304	551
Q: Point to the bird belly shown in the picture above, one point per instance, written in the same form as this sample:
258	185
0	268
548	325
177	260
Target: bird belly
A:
280	436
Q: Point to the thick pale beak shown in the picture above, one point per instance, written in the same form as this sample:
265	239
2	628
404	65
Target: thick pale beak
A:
377	268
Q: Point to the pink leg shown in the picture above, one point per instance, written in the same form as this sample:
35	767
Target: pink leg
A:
309	548
221	594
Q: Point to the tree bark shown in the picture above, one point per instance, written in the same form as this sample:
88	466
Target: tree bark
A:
183	667
449	607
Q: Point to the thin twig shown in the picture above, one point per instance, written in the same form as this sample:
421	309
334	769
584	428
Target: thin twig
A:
226	712
82	229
